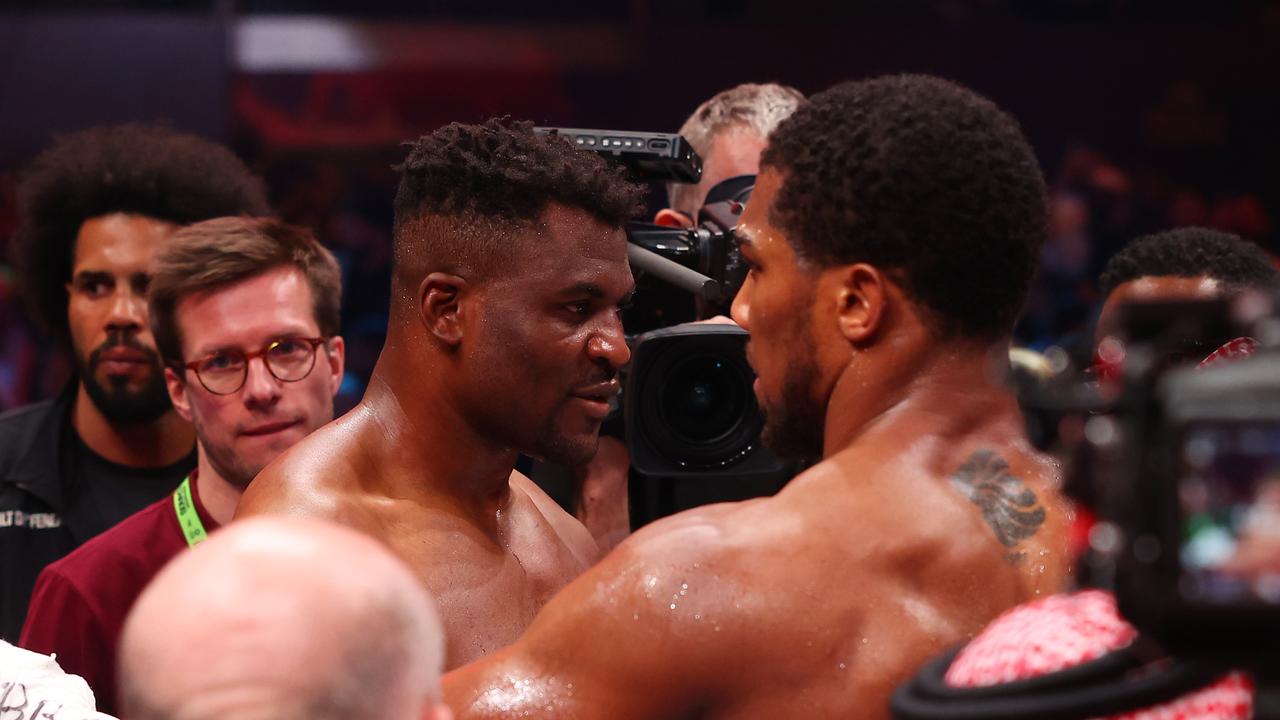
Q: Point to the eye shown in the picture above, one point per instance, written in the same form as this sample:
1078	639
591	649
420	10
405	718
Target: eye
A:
580	309
219	362
94	287
290	349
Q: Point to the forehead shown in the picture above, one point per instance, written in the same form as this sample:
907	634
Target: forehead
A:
120	241
734	151
1153	289
1148	289
755	232
567	245
247	313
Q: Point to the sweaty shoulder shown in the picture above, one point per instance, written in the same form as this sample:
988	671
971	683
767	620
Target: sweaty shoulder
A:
317	477
992	509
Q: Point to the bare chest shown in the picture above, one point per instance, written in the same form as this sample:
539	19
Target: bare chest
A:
487	589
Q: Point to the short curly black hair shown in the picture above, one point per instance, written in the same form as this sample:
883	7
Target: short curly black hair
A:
920	175
136	169
484	180
1189	252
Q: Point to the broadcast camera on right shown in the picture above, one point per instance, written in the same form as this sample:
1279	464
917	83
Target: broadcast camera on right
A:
1179	451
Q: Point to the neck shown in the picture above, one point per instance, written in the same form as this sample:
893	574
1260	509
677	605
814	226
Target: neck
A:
424	431
160	442
937	390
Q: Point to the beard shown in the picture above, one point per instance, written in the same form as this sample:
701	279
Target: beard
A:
117	402
793	426
553	447
229	465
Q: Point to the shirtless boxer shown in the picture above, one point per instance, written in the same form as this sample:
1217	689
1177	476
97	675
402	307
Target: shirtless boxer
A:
891	236
504	337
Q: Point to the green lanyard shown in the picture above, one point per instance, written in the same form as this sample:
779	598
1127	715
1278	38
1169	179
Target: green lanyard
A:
188	518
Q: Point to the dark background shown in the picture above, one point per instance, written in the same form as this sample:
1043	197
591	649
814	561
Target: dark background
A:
1145	115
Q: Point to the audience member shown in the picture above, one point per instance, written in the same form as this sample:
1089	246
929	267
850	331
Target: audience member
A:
283	618
1184	264
93	211
245	314
892	236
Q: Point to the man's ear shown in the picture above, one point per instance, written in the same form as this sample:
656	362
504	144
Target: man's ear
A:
336	351
177	392
439	307
667	217
862	297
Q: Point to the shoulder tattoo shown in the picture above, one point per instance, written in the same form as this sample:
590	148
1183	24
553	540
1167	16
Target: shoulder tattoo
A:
1010	507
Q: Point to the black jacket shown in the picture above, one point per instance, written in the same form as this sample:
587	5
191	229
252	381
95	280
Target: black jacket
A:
40	520
45	509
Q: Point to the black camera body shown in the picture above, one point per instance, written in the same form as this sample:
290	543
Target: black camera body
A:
1204	449
692	422
690	405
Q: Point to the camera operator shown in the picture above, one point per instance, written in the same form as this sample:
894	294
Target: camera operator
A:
509	271
892	236
728	132
94	209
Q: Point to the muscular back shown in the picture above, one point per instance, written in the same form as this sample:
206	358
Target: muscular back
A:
814	603
489	567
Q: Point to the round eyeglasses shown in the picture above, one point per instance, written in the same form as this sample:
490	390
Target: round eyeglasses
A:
287	359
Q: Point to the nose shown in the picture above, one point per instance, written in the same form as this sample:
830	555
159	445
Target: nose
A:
261	389
740	311
128	311
609	345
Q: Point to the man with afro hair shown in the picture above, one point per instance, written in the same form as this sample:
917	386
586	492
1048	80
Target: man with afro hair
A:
93	210
504	337
891	238
1183	264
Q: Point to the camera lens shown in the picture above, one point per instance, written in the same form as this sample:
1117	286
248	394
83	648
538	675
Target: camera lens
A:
704	399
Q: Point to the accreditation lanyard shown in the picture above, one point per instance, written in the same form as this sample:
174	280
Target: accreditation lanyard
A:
188	519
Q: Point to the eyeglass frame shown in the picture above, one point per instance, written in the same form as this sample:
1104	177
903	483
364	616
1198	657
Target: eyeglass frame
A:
314	342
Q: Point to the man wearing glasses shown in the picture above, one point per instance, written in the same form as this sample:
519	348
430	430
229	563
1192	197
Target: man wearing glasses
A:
245	313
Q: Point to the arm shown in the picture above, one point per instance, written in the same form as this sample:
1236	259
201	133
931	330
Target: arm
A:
610	645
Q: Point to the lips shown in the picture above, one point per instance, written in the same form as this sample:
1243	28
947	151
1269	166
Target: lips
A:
594	399
600	392
121	358
269	428
124	355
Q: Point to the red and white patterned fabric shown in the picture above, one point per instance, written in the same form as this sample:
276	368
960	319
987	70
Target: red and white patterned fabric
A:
1063	631
1241	347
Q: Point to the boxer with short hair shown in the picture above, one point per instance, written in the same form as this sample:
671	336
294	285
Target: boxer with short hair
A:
510	266
892	237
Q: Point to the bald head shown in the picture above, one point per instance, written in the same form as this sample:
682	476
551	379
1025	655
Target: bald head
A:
282	618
